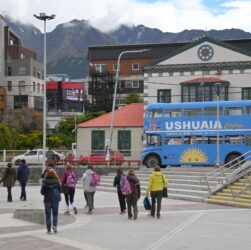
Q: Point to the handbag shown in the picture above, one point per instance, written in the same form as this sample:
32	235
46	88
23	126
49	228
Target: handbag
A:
147	203
165	190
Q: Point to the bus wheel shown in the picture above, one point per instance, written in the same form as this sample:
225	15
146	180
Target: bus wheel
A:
152	161
232	162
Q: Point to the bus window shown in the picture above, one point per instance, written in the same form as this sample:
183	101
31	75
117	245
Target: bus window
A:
153	140
210	111
234	139
212	139
192	112
248	110
233	111
173	140
172	113
249	140
154	113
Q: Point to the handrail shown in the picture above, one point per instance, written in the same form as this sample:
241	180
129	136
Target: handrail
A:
225	175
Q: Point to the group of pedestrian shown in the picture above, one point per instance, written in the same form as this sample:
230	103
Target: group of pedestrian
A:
11	175
66	184
155	186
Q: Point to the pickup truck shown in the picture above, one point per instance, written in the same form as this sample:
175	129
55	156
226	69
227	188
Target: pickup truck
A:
35	156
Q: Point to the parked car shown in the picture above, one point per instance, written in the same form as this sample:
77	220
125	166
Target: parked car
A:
36	156
99	158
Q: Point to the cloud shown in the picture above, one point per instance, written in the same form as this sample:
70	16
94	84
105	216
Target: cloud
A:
166	15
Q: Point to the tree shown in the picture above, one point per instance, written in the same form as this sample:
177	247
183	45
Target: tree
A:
6	137
23	120
132	98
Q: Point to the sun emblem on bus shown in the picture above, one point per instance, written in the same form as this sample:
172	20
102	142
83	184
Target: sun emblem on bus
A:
193	155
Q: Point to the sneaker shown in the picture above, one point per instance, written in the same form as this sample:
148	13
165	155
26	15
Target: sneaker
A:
89	212
75	210
54	228
67	213
48	232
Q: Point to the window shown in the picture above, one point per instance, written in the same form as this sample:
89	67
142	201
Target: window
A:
22	71
101	68
115	66
135	84
20	101
234	139
124	142
155	113
21	85
9	85
34	71
172	113
198	93
210	111
9	71
164	95
192	112
98	140
233	111
246	93
128	84
173	140
135	66
34	87
38	87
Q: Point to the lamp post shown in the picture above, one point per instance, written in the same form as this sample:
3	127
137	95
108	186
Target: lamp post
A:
218	87
44	17
114	96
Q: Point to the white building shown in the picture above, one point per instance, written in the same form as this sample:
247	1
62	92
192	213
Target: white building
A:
190	73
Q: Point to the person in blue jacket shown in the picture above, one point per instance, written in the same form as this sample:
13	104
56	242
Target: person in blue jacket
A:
23	173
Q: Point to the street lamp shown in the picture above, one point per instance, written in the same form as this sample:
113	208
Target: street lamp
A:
44	17
115	93
218	87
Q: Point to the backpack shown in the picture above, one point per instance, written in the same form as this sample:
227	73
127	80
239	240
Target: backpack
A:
125	186
147	203
55	194
71	180
95	180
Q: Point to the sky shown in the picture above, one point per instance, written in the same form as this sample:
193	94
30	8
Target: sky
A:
166	15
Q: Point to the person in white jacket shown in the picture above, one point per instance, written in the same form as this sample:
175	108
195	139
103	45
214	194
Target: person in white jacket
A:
89	190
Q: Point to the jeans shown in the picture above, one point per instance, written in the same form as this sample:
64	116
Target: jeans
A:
70	195
23	192
156	195
132	203
90	199
122	202
9	197
51	207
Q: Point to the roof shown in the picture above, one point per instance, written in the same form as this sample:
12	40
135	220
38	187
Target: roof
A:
130	115
205	80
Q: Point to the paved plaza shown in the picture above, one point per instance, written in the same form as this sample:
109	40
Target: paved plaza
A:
183	225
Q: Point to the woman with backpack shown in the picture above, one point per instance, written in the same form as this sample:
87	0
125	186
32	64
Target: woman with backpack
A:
156	183
121	197
68	183
51	190
133	197
89	185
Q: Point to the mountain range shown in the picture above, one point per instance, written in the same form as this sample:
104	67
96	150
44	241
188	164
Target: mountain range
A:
67	44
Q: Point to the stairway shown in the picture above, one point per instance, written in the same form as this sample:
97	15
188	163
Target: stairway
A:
225	197
184	182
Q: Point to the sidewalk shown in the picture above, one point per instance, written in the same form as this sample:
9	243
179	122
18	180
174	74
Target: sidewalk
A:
183	225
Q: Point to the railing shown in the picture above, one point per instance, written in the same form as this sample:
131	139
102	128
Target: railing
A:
228	173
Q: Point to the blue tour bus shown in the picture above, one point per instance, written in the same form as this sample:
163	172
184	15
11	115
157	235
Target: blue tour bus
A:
189	133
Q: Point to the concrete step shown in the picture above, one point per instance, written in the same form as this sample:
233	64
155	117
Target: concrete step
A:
228	203
230	198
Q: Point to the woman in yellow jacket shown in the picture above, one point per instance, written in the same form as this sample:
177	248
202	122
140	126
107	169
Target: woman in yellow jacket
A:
156	183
